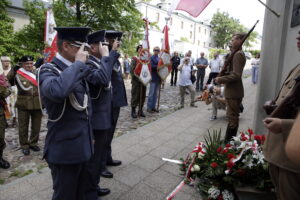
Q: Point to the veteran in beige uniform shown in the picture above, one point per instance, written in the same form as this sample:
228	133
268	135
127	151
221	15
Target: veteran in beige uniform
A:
284	173
27	104
234	90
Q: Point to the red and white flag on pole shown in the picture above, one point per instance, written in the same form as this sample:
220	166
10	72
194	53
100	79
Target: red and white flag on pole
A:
164	63
143	68
50	36
193	7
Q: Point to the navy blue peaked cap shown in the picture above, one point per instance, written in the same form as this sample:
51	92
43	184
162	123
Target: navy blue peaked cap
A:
73	33
26	58
96	37
111	34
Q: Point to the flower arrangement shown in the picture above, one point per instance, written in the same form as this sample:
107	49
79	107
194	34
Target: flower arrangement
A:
217	168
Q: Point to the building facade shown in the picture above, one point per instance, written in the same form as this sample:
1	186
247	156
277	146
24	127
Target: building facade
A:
185	33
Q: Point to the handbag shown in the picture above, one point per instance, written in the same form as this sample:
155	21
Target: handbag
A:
193	77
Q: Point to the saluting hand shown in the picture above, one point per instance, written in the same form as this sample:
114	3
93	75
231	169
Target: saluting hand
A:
103	49
81	54
116	45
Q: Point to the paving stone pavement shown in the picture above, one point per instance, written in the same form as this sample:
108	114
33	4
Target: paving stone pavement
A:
143	174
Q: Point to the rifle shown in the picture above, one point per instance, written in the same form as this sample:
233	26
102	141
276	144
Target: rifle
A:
287	109
229	59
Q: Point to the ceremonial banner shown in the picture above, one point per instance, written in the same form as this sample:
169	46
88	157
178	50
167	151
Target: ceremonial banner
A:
164	64
193	7
50	36
143	68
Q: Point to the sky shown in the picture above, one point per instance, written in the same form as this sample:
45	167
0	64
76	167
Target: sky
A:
247	11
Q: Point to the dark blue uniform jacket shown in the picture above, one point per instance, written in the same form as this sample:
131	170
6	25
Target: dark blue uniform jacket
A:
69	140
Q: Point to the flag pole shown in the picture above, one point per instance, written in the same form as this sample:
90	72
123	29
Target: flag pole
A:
270	9
158	99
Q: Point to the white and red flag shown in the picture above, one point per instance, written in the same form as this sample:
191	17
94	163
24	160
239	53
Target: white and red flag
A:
164	64
50	36
143	68
193	7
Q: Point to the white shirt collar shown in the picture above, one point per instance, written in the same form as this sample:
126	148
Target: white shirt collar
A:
62	59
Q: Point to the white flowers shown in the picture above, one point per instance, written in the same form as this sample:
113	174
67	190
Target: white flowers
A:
200	155
214	192
227	195
195	168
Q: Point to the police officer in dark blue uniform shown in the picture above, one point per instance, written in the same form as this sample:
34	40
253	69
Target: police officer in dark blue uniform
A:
100	61
65	95
119	99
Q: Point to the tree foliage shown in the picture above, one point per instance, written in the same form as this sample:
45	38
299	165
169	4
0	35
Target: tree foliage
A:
97	14
6	30
224	26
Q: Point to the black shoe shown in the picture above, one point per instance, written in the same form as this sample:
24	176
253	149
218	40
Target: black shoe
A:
4	164
26	152
114	163
103	191
107	174
230	132
141	114
155	110
35	148
133	112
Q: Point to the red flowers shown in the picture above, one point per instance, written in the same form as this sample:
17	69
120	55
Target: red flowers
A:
250	131
219	149
228	145
230	164
214	165
225	151
230	155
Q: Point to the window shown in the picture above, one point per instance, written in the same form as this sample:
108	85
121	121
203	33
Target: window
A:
182	24
198	42
210	33
199	29
171	21
191	34
205	31
209	45
204	44
157	17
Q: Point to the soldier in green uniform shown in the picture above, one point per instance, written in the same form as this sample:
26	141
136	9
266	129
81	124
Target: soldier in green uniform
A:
4	92
138	90
27	103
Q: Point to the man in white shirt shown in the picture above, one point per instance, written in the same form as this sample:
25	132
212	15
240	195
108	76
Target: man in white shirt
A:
185	81
215	66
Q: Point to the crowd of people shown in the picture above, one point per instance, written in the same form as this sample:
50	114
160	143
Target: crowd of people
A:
82	89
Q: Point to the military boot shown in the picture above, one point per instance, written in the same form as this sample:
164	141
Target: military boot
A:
141	113
3	163
133	112
230	132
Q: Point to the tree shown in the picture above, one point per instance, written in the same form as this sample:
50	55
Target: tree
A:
224	26
6	30
97	14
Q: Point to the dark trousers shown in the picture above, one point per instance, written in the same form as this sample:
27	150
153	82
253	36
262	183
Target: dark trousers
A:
138	93
95	163
24	117
200	79
69	181
212	75
174	76
110	136
233	112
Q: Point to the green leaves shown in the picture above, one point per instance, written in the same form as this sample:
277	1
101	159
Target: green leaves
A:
224	26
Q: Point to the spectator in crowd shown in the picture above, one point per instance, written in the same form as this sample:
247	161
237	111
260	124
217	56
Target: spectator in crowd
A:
154	83
185	81
292	147
4	93
255	68
27	103
217	99
215	66
201	64
126	65
175	61
11	99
